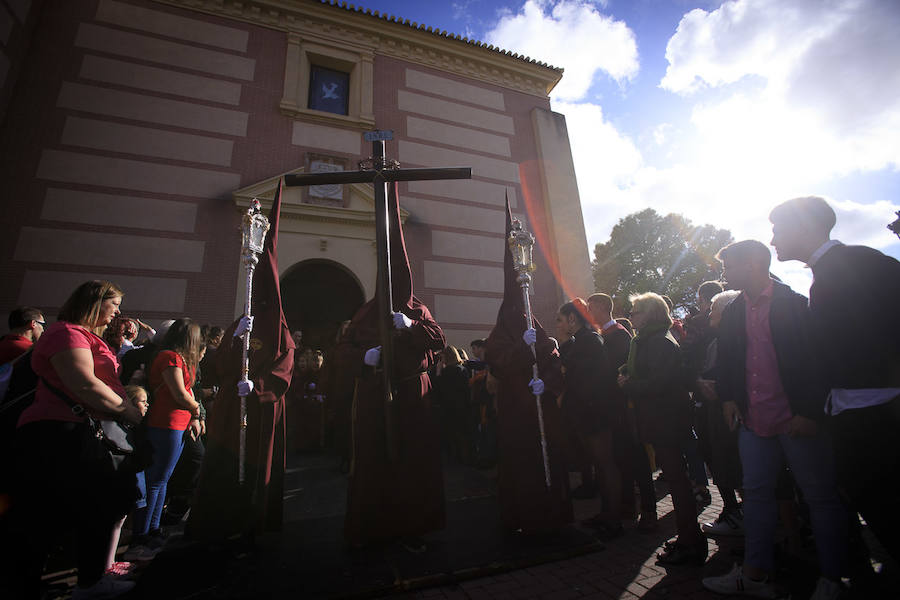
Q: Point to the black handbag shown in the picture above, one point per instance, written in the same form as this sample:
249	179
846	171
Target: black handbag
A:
109	446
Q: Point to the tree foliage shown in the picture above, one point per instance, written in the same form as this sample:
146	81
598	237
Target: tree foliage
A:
647	252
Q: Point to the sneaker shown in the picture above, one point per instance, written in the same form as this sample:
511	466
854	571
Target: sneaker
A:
826	589
121	569
735	583
156	539
140	553
729	523
676	554
107	587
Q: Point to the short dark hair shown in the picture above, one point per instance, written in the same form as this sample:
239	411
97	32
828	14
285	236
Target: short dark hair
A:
808	211
23	315
708	289
577	307
479	343
603	300
746	250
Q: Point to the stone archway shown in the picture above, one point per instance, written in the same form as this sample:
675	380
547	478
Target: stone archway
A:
317	295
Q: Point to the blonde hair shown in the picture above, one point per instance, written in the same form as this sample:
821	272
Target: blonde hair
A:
83	306
654	305
132	391
719	302
451	356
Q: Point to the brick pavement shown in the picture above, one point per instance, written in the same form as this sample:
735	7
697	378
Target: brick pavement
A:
626	569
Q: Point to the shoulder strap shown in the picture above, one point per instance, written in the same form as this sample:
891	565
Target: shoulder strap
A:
77	408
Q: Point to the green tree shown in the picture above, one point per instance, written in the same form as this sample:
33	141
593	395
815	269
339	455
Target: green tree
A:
647	252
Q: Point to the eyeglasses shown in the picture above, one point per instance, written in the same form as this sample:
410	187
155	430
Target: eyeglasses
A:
41	323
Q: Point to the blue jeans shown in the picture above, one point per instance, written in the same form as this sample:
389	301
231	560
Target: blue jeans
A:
167	445
811	460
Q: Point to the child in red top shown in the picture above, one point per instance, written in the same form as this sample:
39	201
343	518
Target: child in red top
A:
173	410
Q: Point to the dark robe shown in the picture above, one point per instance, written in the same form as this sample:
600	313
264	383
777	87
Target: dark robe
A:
305	411
223	507
388	500
526	502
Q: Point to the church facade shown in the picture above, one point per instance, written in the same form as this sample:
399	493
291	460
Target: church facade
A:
135	133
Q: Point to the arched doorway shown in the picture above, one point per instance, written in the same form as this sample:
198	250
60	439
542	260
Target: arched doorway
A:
317	296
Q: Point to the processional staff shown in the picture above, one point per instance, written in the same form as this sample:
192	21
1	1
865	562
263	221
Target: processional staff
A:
254	227
520	244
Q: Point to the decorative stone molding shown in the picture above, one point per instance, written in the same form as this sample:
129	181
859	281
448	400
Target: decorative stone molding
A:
335	52
374	33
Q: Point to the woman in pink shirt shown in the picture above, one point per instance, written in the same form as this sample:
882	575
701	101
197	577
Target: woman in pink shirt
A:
58	490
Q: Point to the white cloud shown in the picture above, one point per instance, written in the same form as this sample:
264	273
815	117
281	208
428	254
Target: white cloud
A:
787	98
571	34
812	87
661	133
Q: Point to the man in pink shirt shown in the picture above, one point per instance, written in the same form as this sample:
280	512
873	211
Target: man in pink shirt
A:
773	393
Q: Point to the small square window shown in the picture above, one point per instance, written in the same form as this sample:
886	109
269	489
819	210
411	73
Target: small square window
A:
329	90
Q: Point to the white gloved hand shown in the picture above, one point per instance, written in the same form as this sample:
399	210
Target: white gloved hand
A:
373	355
245	325
244	388
530	336
312	385
536	385
401	321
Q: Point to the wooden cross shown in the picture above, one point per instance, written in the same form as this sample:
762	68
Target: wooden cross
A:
382	172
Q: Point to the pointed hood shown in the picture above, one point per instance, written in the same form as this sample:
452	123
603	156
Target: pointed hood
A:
401	276
271	345
512	291
365	321
511	321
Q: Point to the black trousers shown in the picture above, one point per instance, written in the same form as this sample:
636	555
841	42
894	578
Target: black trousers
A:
55	494
868	457
184	480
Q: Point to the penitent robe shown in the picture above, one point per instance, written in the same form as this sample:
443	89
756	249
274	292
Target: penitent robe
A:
526	502
388	500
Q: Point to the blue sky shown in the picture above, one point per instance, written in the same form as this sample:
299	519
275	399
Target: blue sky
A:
716	110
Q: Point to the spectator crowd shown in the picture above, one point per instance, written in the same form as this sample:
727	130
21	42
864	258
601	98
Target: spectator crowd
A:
787	404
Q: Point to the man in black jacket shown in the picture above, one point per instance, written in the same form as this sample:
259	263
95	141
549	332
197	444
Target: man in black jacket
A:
769	385
853	301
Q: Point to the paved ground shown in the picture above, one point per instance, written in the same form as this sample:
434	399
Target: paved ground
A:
626	568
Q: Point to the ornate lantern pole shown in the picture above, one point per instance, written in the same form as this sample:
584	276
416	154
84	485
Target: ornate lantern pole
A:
254	227
520	244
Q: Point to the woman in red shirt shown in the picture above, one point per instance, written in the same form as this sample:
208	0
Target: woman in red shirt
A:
173	411
57	490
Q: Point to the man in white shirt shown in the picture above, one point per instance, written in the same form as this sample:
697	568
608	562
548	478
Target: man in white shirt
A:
855	306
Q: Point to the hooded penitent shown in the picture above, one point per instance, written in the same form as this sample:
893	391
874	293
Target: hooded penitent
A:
223	507
403	496
526	503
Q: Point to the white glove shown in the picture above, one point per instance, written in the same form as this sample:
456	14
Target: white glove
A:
536	385
401	321
373	355
312	385
530	336
245	325
244	388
